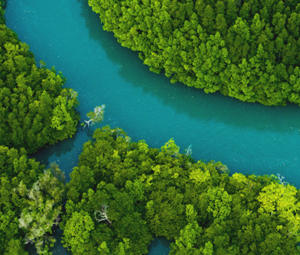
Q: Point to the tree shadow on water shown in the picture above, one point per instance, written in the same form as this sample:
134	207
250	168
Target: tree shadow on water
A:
58	149
186	100
57	249
65	153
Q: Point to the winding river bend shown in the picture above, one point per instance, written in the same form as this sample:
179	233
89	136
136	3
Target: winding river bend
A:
248	138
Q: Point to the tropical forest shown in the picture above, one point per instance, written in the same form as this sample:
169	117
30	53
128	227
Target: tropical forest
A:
136	127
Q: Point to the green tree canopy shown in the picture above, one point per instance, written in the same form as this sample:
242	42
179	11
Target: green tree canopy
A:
128	193
30	202
244	49
35	110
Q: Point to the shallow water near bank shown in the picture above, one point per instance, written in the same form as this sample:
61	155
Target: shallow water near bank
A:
248	138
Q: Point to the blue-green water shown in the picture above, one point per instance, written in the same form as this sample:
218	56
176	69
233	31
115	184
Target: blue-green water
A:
248	138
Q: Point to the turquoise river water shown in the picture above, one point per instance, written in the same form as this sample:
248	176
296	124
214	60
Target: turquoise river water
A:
248	138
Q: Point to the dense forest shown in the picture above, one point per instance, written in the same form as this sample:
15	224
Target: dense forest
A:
122	193
244	49
30	202
35	111
34	108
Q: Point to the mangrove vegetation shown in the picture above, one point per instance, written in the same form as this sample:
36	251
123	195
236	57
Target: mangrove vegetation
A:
122	194
244	49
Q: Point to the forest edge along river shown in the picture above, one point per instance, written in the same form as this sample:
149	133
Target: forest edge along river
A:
248	138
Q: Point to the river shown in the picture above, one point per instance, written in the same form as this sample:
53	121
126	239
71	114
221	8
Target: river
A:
248	138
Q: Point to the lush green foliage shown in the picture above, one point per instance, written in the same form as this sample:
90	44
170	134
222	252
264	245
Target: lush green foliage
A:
34	111
2	6
30	202
122	193
94	117
34	108
245	49
94	189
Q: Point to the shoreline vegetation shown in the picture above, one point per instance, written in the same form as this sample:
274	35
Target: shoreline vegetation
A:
35	110
122	193
244	49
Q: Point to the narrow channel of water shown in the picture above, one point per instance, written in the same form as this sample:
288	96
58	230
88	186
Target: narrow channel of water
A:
248	138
